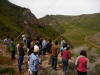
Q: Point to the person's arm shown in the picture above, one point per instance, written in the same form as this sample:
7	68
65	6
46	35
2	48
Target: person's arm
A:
58	50
76	62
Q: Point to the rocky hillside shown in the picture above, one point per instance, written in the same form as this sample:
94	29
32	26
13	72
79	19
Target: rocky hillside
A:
77	29
15	19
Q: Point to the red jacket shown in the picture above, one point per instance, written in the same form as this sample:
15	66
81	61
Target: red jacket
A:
82	63
66	54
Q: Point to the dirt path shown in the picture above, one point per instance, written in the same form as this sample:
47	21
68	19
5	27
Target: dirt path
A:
45	69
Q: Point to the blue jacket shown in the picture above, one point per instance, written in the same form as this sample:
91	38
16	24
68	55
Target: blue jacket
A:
33	62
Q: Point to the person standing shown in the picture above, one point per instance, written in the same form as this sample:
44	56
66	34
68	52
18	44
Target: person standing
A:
34	62
24	39
82	63
21	56
28	43
12	48
7	43
55	52
66	55
62	42
44	43
49	46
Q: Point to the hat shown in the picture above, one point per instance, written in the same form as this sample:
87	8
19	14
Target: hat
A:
36	50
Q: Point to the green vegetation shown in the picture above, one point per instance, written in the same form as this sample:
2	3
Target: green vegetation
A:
75	28
10	19
12	22
9	70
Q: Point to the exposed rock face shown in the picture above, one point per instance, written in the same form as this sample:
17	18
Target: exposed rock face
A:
30	17
30	21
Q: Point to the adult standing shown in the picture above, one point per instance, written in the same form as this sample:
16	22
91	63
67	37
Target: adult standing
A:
66	55
49	46
34	62
82	63
12	48
21	56
7	43
44	43
62	42
28	43
55	52
24	39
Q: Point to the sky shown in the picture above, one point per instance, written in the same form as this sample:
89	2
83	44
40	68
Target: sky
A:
40	8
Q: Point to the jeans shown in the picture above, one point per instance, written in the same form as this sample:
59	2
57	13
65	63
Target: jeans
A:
24	41
20	62
54	62
65	65
34	72
82	73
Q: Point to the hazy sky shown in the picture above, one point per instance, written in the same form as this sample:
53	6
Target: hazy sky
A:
62	7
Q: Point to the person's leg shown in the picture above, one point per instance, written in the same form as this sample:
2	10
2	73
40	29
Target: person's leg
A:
49	61
64	66
34	72
20	62
55	62
79	73
52	61
13	54
84	73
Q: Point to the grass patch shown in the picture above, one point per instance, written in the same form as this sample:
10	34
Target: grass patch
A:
5	60
8	70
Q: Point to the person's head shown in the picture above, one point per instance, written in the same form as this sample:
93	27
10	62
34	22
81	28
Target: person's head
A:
36	51
65	45
21	44
12	39
62	38
83	52
56	42
68	47
7	36
36	43
50	41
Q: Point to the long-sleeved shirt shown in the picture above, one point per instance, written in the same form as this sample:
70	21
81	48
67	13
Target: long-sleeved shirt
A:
33	62
83	63
66	54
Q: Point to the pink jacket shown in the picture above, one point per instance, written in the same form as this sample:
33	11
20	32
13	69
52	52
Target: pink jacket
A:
82	63
66	54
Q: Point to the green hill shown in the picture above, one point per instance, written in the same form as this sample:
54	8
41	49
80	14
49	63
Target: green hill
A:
12	22
75	28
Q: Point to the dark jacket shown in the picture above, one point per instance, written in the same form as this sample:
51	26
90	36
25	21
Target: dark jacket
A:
21	51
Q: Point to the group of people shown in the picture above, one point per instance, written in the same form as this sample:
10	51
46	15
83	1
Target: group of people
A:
38	48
